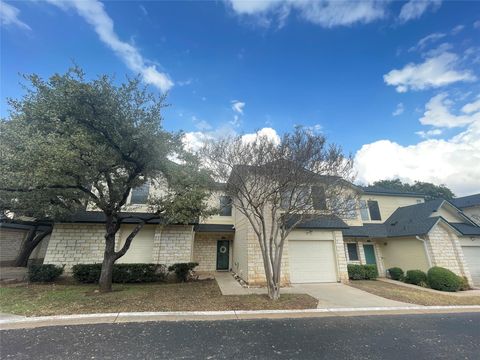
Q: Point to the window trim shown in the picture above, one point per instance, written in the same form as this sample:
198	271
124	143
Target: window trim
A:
224	208
377	208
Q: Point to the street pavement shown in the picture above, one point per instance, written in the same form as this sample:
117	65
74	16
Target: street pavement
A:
416	336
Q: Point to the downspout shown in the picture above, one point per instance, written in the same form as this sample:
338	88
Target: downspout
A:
426	250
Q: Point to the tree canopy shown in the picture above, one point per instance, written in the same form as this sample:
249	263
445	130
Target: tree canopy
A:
431	191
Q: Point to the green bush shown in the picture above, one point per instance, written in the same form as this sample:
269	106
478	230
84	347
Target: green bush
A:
416	277
362	272
443	279
44	273
464	285
396	273
122	273
183	270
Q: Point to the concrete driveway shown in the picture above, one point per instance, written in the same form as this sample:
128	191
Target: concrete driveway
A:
329	295
336	295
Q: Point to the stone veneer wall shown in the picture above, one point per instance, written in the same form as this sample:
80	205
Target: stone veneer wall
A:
361	254
342	271
445	251
173	244
10	243
72	244
205	250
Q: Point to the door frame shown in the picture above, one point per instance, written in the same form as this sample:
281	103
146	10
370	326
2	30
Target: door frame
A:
228	256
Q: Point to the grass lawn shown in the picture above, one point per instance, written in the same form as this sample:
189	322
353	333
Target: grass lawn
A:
63	299
413	296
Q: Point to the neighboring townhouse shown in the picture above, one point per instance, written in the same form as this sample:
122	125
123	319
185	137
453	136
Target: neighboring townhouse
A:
388	229
470	205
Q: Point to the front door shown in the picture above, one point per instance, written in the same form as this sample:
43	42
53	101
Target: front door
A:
223	254
369	254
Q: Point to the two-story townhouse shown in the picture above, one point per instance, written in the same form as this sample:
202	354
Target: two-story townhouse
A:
388	229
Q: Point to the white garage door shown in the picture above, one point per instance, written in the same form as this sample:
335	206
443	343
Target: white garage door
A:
312	261
472	258
141	249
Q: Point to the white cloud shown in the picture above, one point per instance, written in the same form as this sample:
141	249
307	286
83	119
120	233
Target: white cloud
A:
457	29
438	113
452	161
326	13
201	124
9	16
427	40
267	132
415	8
476	24
429	133
238	106
94	13
399	109
436	71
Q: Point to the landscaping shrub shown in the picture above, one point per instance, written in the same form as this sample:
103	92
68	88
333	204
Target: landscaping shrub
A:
443	279
416	277
182	270
122	273
44	273
362	272
464	285
396	273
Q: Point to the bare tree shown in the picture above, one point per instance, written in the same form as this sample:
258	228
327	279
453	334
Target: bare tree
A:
277	185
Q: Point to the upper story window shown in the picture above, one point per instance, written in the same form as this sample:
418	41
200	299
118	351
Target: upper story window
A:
369	210
140	194
318	197
351	211
374	210
352	251
225	206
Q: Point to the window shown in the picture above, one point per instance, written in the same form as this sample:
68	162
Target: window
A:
352	251
140	194
318	198
351	209
225	206
374	210
364	210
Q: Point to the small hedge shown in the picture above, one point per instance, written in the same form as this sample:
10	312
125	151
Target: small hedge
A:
44	273
182	270
443	279
396	273
362	272
416	277
122	273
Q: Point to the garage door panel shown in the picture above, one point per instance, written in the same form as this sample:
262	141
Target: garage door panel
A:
141	249
312	261
472	258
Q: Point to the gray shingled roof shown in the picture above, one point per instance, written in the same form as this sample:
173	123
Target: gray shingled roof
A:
99	217
367	230
467	229
214	228
319	222
378	190
467	201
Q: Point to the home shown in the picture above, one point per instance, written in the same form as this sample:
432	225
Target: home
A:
388	229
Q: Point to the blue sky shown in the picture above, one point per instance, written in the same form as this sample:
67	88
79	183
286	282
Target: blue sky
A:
395	83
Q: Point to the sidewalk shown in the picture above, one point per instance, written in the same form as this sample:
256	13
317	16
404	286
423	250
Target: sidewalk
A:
19	322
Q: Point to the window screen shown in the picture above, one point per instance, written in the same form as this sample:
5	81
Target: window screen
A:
140	194
352	252
225	206
374	210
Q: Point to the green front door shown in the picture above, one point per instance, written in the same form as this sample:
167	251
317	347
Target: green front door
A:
369	254
223	254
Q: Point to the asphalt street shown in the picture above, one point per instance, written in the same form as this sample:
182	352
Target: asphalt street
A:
429	336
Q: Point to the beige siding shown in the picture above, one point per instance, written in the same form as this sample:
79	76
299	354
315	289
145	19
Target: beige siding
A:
240	246
214	202
449	214
406	253
473	213
388	204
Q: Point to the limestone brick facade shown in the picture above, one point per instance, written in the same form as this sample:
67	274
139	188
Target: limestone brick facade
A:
173	244
445	250
205	250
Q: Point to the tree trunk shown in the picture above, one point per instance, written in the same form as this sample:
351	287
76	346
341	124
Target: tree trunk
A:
30	243
106	274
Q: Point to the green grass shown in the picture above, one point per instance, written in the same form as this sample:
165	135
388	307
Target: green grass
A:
63	299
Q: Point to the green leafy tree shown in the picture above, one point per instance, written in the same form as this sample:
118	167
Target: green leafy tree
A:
68	142
431	191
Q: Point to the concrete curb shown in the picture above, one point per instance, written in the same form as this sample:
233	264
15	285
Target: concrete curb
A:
124	317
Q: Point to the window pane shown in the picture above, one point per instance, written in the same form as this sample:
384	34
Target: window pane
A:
351	209
140	194
319	198
225	206
364	210
374	210
352	252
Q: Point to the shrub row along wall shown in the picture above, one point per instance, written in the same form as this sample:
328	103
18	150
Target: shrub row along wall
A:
72	244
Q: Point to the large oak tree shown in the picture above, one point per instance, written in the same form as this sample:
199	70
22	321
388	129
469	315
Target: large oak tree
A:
70	141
